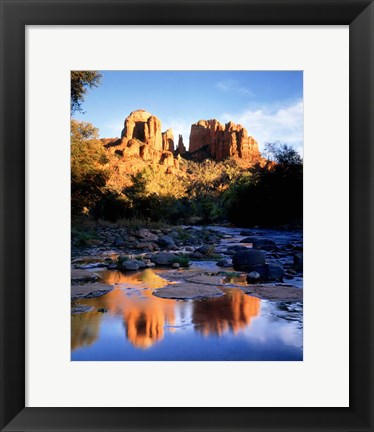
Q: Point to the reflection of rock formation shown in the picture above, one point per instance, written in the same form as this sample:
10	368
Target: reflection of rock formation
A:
84	328
146	277
231	312
144	315
210	138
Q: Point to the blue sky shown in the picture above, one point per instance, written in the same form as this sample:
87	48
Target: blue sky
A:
269	104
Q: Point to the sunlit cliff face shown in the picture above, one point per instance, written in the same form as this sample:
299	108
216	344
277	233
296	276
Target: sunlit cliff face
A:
232	312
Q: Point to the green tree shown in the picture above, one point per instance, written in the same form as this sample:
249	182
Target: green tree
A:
80	82
89	172
273	194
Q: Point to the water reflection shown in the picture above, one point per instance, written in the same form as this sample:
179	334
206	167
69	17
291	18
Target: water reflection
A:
232	312
145	316
85	329
131	323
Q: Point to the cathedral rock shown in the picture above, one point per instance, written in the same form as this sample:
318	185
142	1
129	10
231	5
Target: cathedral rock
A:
142	137
210	138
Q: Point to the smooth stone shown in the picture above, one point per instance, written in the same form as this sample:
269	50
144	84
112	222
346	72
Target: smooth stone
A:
78	275
166	241
188	291
253	276
90	290
130	265
163	258
274	292
270	272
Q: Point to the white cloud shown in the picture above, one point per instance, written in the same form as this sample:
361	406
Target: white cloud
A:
271	124
233	86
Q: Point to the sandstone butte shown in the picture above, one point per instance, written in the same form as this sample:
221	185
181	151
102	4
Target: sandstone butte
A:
210	138
142	137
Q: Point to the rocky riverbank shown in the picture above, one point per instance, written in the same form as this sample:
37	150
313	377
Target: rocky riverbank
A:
263	263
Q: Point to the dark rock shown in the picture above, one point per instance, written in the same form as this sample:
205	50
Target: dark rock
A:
131	265
247	259
141	264
164	258
224	263
166	241
197	255
246	233
249	240
298	261
270	272
102	310
260	243
206	250
253	276
147	246
231	250
146	235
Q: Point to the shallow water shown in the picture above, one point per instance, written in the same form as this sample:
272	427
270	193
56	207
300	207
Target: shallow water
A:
130	323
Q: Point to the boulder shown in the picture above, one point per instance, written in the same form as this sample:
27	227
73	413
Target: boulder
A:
248	259
145	234
264	243
207	250
132	265
164	258
253	276
298	261
269	272
231	250
166	241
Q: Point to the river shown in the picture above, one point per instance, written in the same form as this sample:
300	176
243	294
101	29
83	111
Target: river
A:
130	323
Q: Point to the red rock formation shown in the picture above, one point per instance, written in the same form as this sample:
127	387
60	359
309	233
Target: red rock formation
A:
142	138
168	140
144	127
218	141
181	149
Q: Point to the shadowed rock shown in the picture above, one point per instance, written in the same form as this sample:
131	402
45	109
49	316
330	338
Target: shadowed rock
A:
248	259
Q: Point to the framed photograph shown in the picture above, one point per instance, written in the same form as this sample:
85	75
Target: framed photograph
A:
194	218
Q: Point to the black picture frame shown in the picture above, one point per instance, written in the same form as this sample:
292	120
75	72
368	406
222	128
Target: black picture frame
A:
15	15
